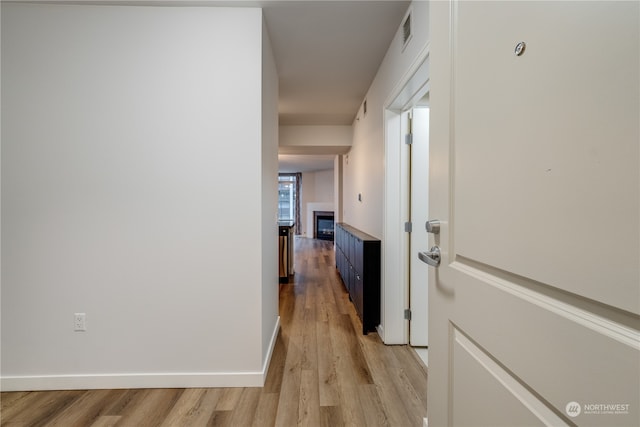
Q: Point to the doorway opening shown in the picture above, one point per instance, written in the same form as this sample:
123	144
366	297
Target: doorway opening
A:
418	200
405	295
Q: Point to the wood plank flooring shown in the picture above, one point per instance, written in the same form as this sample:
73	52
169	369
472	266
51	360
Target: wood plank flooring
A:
323	372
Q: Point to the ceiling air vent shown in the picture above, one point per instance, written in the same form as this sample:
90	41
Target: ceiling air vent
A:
406	30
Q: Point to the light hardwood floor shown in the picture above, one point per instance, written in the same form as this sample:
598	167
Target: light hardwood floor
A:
323	373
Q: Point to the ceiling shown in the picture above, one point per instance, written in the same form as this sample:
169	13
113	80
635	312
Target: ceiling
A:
289	163
327	54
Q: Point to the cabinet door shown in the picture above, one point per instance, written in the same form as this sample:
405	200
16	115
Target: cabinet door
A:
358	256
351	248
345	272
358	295
352	279
341	263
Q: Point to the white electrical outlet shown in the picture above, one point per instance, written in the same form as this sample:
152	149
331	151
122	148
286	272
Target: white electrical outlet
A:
79	322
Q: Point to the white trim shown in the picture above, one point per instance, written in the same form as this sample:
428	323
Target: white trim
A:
393	100
601	325
272	344
395	293
394	274
139	380
380	331
144	380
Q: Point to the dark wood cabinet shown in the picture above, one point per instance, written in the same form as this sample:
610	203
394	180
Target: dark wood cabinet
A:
358	262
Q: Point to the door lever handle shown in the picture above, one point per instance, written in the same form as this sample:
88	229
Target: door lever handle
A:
432	257
433	226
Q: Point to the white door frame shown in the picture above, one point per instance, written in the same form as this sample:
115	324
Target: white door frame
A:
394	329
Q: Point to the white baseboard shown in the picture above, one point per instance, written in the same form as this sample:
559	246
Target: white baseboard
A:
146	380
380	330
272	344
143	380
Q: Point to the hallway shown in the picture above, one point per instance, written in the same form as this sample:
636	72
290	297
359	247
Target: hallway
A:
323	372
334	375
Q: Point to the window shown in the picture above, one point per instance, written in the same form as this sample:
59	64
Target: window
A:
289	198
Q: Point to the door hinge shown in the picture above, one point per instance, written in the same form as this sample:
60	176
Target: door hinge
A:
407	314
408	227
408	138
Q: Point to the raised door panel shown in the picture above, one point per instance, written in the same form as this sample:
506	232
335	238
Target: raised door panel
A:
483	390
558	198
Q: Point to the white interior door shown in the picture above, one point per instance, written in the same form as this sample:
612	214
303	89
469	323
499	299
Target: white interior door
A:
535	159
419	188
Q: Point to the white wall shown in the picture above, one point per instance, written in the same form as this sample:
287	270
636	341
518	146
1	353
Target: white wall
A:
316	187
364	165
323	185
121	197
270	283
321	139
372	169
337	188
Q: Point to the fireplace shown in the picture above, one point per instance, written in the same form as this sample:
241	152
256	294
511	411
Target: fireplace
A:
323	225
